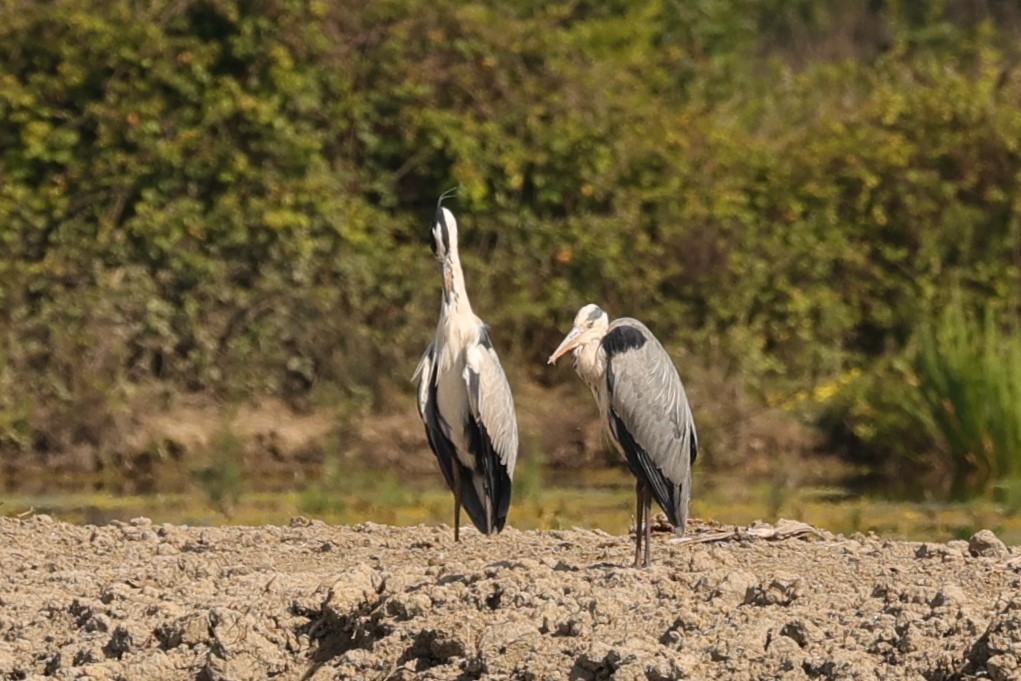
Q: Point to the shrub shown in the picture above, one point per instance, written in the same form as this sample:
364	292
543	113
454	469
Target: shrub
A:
969	377
233	197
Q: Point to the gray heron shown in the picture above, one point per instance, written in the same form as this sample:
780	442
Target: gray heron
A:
464	398
644	410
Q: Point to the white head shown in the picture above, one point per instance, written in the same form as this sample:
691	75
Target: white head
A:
444	231
590	324
444	245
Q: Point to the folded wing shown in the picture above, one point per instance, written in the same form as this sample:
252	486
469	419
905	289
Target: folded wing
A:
649	415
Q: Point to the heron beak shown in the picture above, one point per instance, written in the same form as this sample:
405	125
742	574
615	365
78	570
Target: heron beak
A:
570	342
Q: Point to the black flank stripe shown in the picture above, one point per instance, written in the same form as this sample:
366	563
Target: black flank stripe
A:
622	339
473	385
642	466
484	337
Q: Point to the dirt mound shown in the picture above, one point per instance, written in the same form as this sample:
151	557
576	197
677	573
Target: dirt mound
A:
310	601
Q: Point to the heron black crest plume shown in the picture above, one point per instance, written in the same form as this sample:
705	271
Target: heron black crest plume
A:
444	196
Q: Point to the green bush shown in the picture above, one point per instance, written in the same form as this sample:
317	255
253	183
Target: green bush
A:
942	418
879	421
233	197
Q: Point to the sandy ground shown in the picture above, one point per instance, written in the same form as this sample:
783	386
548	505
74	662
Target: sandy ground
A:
311	601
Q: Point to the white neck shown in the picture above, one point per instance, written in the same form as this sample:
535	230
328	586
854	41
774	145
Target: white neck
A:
455	295
590	364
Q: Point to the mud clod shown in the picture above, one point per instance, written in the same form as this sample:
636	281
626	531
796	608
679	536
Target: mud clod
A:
985	544
313	602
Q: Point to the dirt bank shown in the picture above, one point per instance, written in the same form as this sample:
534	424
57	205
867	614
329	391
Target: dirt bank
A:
312	601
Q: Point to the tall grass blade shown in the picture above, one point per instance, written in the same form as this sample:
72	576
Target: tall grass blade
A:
969	373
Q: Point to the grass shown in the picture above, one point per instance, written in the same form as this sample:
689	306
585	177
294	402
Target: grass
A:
339	488
969	378
223	480
602	499
528	473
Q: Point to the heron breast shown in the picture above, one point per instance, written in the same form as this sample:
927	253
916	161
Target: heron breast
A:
452	405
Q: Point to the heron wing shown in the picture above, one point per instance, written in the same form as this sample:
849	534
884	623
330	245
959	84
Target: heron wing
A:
649	415
442	447
493	428
423	372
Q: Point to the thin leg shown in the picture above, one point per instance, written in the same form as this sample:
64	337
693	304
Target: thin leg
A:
457	501
639	507
647	501
490	520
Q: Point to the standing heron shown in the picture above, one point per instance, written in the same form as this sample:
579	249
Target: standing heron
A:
464	398
644	410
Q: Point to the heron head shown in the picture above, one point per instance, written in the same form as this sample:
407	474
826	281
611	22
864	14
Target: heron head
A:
444	231
590	324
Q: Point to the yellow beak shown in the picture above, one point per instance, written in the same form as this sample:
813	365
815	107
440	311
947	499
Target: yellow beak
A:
570	342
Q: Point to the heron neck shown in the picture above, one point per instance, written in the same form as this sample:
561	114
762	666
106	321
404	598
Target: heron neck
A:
590	363
455	295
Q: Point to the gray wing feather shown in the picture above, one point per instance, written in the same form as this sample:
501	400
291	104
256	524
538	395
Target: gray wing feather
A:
649	412
424	375
490	400
493	428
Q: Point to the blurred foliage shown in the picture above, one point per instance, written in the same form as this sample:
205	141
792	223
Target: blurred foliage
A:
233	196
223	480
337	487
969	374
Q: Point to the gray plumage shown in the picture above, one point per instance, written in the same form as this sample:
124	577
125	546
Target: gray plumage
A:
644	409
464	398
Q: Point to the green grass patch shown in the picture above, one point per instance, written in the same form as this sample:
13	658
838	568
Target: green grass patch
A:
969	376
608	506
341	489
223	480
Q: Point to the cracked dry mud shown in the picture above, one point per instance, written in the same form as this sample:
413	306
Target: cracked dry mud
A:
312	601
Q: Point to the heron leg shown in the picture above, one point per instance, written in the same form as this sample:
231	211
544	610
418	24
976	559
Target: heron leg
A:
457	500
639	507
647	501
